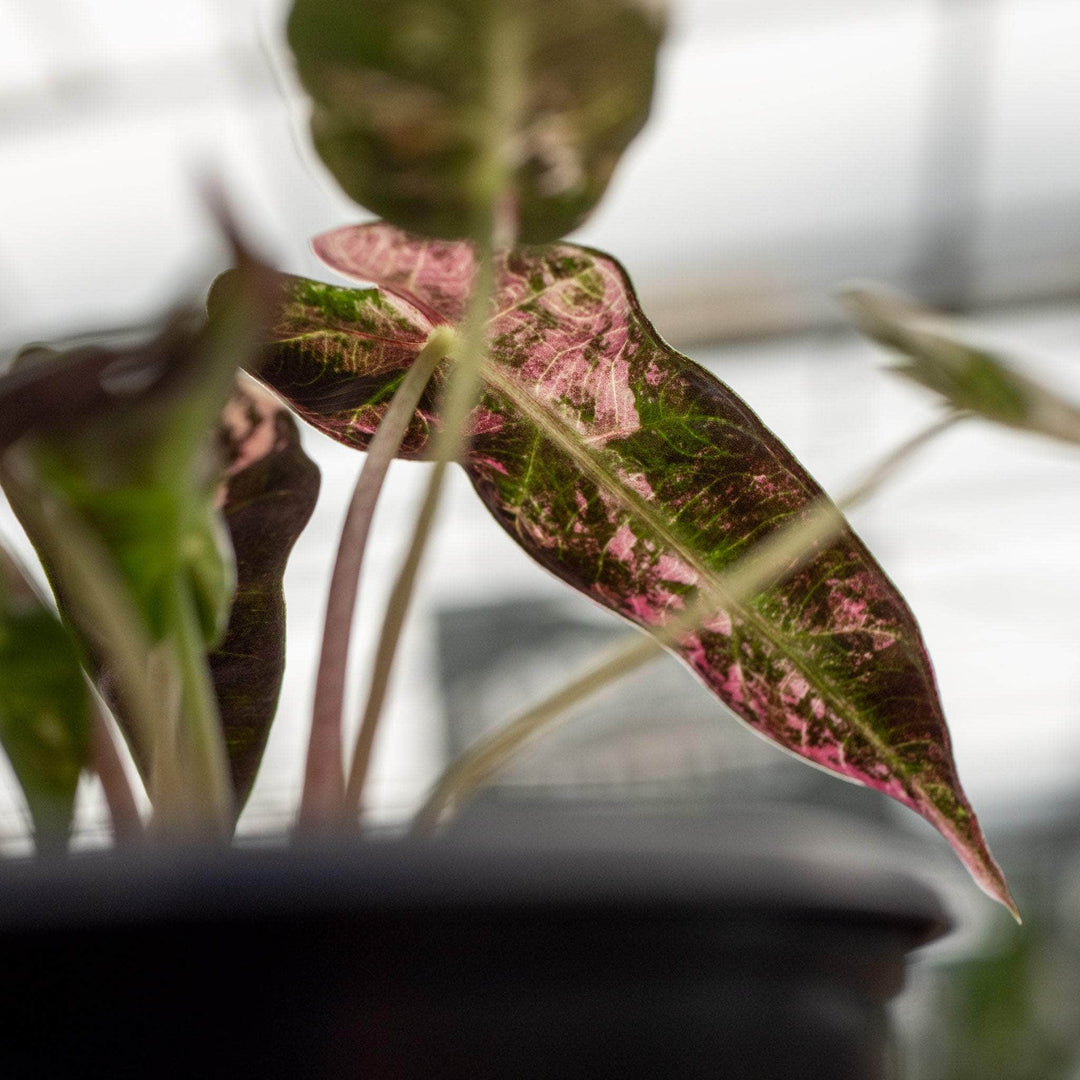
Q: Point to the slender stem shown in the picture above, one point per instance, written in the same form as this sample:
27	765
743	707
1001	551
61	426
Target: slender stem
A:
493	225
210	793
323	798
487	756
171	811
770	561
460	398
105	760
876	476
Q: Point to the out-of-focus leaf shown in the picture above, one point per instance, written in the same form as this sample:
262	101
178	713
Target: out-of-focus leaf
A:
969	378
267	498
132	483
411	96
44	705
638	478
50	398
119	468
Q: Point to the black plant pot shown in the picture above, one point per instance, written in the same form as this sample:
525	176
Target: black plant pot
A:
592	955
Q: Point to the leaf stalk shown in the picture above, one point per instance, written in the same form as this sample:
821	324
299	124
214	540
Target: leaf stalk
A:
210	789
323	799
449	445
99	606
105	760
494	226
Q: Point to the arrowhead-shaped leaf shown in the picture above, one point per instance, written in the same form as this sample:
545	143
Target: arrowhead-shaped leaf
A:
637	477
44	705
267	498
409	102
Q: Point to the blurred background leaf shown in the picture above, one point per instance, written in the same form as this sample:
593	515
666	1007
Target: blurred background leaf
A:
969	377
130	470
404	94
44	705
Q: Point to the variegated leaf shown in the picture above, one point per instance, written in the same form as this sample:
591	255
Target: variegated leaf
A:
638	478
414	103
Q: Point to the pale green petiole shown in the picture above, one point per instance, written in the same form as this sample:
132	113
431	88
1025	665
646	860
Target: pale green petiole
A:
494	225
460	398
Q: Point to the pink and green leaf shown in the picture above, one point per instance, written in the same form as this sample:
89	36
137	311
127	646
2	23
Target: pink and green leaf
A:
343	353
638	478
414	103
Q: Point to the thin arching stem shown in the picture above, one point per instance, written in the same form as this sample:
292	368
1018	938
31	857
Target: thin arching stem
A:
322	802
211	815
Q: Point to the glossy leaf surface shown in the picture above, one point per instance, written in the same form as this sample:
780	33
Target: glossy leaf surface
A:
267	497
638	478
44	705
411	103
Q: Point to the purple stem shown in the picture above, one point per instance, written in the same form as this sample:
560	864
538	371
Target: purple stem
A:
323	801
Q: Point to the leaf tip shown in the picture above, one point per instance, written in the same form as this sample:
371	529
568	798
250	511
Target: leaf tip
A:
975	854
877	311
997	889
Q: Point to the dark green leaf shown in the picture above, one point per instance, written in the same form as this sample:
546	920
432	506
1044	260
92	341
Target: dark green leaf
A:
44	705
267	498
638	478
410	103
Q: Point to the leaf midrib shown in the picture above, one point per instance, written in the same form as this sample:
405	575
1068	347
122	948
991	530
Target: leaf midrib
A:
329	331
558	431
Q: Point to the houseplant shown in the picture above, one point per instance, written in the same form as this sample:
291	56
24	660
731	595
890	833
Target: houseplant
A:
382	134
